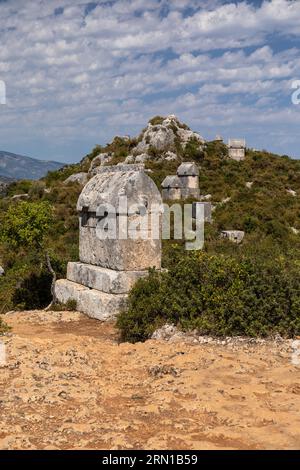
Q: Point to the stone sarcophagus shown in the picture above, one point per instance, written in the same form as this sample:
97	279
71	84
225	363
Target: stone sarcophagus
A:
237	149
172	188
188	173
120	239
184	185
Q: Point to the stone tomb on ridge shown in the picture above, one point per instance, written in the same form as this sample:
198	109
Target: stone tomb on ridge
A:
108	268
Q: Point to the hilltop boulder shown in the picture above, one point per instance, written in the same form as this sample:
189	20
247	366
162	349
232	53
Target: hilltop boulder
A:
100	160
161	136
80	178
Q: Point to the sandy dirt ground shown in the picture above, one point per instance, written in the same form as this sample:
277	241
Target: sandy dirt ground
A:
69	384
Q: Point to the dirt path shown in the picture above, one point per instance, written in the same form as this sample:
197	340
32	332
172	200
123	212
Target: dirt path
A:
68	384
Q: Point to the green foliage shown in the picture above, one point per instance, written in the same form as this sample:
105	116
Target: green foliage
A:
70	306
192	152
217	295
26	224
216	149
20	187
121	148
26	283
62	174
156	120
4	328
33	291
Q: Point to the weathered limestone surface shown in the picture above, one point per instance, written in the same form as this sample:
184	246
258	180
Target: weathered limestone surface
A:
102	279
108	187
80	178
183	185
186	135
188	169
159	136
235	236
162	137
142	158
237	149
111	182
172	188
92	302
171	194
188	172
100	160
121	255
170	156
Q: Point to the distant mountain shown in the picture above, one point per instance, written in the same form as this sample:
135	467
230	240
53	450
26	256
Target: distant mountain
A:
19	167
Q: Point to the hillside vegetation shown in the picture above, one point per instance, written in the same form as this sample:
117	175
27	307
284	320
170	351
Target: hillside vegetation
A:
252	288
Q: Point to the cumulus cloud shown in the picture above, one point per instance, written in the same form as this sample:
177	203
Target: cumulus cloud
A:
78	72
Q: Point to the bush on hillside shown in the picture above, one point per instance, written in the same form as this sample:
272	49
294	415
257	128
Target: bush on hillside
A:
193	151
156	120
3	327
217	295
19	187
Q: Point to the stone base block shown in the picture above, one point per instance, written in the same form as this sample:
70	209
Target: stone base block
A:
103	279
92	302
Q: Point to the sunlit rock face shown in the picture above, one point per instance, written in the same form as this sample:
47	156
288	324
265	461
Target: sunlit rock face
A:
163	136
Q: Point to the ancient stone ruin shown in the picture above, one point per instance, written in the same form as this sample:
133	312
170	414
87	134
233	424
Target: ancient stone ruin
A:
184	185
235	236
171	188
109	267
236	149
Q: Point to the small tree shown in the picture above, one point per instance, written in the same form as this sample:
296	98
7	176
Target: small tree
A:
27	224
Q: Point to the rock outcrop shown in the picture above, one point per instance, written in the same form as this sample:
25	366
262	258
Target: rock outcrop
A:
20	197
160	137
80	178
163	137
100	160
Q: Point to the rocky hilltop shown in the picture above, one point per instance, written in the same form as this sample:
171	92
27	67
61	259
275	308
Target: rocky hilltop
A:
165	139
165	136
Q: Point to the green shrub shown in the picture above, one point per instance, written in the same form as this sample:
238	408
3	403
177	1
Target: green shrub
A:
62	174
33	292
3	327
70	306
193	151
156	120
20	187
217	295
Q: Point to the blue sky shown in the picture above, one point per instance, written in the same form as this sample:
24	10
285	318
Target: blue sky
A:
77	73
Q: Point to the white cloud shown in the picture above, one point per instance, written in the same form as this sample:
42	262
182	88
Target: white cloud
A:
85	74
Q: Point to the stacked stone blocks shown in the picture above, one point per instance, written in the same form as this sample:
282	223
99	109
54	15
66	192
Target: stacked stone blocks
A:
108	268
